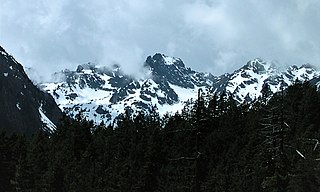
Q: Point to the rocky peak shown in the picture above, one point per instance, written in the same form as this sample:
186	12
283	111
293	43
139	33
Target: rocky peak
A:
87	66
172	70
258	66
161	59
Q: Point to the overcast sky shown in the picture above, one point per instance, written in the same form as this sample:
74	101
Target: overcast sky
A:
216	36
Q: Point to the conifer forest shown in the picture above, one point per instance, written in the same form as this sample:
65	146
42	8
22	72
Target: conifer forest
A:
213	144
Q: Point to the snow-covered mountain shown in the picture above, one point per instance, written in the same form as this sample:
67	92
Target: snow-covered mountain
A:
24	108
102	93
246	83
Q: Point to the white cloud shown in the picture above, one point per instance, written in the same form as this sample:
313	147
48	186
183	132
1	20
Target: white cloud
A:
216	35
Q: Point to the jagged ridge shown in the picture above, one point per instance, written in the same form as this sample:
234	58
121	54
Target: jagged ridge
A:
104	92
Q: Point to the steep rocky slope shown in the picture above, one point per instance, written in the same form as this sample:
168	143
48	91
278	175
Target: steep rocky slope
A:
24	107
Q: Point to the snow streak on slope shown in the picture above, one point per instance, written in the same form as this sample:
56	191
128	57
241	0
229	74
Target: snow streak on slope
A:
48	125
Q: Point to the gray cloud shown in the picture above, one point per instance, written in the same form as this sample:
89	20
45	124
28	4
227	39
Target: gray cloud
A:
209	35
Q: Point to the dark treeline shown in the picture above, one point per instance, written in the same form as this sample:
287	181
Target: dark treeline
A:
212	145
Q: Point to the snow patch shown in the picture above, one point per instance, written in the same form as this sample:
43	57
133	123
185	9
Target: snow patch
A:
46	121
18	106
169	60
5	74
3	53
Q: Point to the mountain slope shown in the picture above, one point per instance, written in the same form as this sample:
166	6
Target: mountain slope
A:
24	107
246	83
101	93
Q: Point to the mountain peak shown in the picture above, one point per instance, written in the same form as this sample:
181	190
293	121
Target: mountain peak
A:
162	59
87	66
257	66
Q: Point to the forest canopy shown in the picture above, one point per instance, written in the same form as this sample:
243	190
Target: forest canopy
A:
213	144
